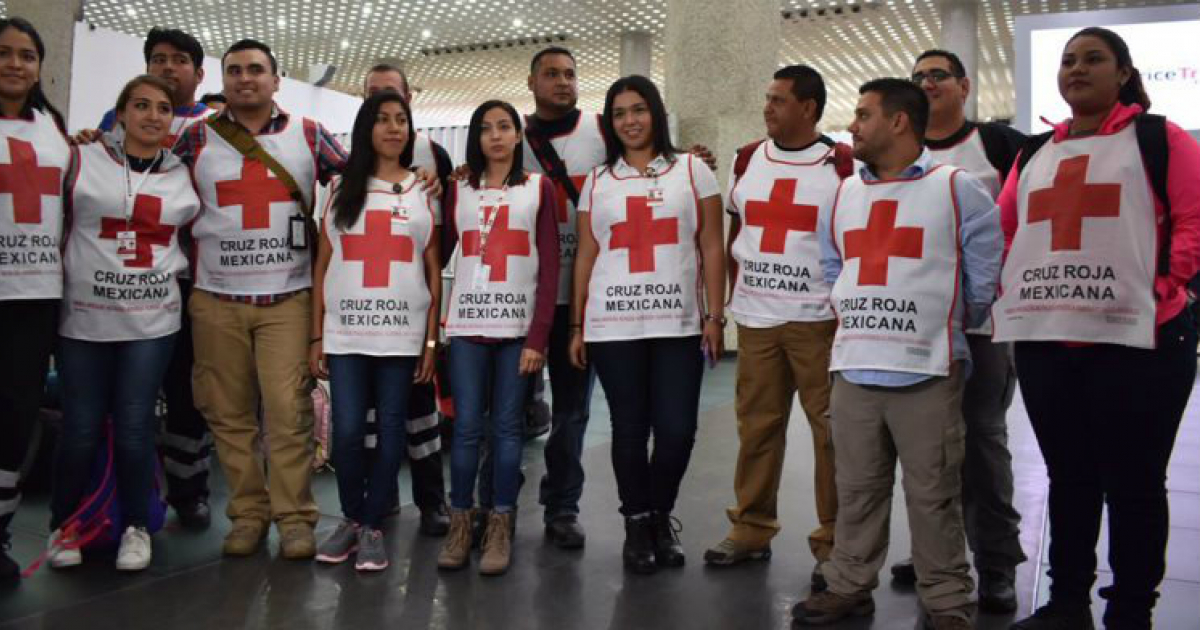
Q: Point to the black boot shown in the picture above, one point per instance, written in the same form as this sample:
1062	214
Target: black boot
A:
638	552
668	551
1057	617
10	572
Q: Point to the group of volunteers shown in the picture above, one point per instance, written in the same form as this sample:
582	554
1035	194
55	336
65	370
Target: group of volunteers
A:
902	287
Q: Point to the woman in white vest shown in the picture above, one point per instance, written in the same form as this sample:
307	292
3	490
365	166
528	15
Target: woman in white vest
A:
650	260
503	220
33	158
376	298
127	199
1094	295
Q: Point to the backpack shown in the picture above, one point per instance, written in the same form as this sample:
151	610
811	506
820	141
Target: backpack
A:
1151	132
842	158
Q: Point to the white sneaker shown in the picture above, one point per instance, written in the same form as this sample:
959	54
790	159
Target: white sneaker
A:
60	557
134	554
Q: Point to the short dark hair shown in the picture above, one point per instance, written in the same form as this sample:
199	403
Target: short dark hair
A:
553	50
176	39
388	67
658	115
899	95
252	44
477	161
806	85
956	65
213	97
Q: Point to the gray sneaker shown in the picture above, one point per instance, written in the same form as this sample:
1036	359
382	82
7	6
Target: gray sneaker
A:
372	556
340	544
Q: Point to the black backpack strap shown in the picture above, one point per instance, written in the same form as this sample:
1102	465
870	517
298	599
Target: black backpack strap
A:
1151	131
1032	144
548	158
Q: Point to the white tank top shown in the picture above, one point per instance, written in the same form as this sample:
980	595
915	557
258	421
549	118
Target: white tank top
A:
114	292
33	158
778	200
1082	263
376	297
901	274
646	280
581	151
242	235
496	272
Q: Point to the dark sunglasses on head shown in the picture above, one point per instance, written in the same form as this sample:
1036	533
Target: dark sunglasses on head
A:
937	76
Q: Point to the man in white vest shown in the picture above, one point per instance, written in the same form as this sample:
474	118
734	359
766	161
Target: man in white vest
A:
424	430
780	302
912	248
987	151
255	168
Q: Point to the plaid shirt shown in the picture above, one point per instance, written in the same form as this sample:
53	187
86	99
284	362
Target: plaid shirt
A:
331	159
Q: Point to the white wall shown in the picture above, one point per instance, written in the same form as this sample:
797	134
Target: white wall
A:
104	60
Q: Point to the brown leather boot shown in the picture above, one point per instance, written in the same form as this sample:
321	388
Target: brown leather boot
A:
497	544
456	550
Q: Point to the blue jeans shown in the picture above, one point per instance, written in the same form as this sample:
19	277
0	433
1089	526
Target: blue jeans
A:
121	379
571	393
476	369
653	390
357	383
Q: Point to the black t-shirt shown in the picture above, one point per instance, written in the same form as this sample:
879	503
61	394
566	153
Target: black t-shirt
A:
1001	143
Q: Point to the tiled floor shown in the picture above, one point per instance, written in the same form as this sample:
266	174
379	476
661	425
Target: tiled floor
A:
190	586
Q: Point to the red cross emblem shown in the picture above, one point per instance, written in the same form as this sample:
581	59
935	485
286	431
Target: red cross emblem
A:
880	241
27	182
779	215
641	232
563	198
254	192
501	243
377	247
146	222
1066	204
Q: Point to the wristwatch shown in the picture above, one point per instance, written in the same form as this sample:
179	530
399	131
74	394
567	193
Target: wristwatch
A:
431	344
721	321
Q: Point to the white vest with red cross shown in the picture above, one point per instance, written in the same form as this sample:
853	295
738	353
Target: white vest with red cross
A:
777	253
33	158
581	151
901	274
496	270
646	280
243	233
376	296
123	254
423	154
1082	263
970	155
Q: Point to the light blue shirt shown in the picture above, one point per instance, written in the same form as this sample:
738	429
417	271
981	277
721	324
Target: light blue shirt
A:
982	244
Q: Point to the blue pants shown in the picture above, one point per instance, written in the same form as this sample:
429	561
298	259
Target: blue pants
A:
357	383
121	379
476	369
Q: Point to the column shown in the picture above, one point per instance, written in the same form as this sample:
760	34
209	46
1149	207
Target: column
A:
960	35
720	55
55	21
637	50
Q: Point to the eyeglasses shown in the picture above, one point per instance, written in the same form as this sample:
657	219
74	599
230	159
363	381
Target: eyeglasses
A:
937	76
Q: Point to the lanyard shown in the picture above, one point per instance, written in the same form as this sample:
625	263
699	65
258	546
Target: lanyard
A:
485	221
131	190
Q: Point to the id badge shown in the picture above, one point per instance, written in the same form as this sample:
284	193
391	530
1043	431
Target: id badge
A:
297	232
481	277
127	245
400	218
654	196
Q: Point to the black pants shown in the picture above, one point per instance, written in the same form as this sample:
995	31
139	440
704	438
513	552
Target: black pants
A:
27	332
186	444
653	389
1106	417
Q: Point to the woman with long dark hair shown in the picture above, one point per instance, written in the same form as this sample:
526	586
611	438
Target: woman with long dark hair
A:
1102	220
128	198
504	221
649	303
33	159
376	299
